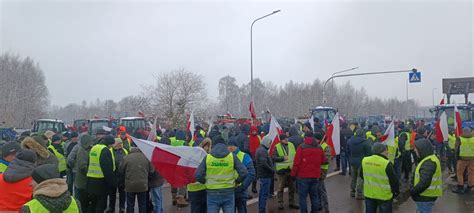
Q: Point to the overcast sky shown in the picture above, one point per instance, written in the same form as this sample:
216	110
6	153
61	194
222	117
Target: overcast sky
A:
107	50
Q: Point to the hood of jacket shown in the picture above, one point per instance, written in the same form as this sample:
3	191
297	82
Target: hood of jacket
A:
86	141
293	131
180	135
53	194
356	140
18	170
31	144
424	148
310	141
466	134
219	150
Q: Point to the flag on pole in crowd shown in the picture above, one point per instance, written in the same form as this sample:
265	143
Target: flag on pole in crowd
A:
311	122
152	135
388	137
442	101
457	122
442	130
177	164
274	133
333	137
253	115
210	127
190	124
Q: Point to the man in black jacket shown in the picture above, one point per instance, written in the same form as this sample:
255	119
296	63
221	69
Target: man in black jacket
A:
265	172
99	183
426	186
358	148
345	135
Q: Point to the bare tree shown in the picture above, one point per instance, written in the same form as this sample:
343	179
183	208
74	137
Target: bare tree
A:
23	93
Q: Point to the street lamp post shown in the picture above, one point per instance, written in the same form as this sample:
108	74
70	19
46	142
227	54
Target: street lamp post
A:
251	50
360	74
432	95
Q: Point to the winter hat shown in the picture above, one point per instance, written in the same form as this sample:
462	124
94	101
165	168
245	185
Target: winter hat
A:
308	134
108	140
378	148
74	135
45	172
49	134
232	142
266	142
56	137
41	140
318	136
27	155
217	140
283	137
9	148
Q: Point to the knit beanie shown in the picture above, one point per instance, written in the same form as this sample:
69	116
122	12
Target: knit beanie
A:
45	172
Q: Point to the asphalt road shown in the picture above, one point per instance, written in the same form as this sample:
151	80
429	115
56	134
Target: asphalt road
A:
338	188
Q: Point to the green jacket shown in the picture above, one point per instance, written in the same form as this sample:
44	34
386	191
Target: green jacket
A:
82	161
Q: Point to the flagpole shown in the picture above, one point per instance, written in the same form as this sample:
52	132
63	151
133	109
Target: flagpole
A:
251	50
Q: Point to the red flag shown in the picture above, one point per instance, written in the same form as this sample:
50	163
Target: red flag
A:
252	111
442	128
190	125
333	137
176	164
442	101
141	114
457	122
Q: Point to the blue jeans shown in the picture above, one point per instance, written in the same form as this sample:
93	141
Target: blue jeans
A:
156	199
344	162
264	192
220	200
198	201
142	201
371	205
241	204
424	207
308	186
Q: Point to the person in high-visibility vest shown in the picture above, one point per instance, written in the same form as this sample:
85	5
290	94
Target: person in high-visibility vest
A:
100	173
119	153
283	156
57	149
241	194
465	148
380	183
404	144
8	153
427	182
197	191
323	201
126	141
50	192
218	172
450	152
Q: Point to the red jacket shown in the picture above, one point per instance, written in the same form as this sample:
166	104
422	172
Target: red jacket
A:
254	143
14	195
308	160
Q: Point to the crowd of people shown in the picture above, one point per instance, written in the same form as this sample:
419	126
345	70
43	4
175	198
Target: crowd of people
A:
71	172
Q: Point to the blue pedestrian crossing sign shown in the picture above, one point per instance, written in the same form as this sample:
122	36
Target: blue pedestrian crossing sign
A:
414	77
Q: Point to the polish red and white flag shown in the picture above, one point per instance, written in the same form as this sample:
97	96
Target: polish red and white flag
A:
176	164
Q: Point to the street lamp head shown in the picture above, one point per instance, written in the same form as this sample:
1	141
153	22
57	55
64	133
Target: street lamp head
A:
276	11
354	68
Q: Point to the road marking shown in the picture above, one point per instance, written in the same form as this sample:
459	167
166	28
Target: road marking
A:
255	200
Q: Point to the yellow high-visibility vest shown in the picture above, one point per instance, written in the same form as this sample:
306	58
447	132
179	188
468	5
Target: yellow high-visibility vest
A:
435	189
220	172
376	183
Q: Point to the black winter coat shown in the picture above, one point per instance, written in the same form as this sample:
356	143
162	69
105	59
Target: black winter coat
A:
264	163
